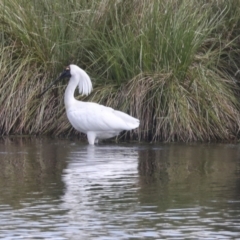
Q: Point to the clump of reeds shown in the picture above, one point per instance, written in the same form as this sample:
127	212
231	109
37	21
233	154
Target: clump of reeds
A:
172	64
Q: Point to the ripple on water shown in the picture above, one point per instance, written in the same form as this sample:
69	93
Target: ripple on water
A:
67	191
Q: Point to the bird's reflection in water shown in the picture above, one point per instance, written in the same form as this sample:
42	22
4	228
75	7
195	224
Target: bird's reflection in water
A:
97	178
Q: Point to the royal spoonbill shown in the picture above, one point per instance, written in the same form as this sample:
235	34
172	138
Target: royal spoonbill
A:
95	120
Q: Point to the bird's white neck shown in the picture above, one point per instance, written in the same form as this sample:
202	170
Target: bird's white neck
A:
69	98
78	78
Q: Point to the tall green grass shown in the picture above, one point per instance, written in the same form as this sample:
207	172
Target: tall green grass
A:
172	64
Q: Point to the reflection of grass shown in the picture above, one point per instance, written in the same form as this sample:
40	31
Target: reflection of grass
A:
28	168
170	63
193	164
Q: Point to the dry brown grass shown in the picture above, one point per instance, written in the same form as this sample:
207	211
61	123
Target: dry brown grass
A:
172	64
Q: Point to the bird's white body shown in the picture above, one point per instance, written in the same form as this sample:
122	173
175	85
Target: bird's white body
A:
95	120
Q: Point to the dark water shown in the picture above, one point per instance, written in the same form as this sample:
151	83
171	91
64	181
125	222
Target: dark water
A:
62	189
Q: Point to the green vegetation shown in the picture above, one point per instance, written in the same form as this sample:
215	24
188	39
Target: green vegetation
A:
171	63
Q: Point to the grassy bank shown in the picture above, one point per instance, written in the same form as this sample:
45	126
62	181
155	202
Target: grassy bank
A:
172	64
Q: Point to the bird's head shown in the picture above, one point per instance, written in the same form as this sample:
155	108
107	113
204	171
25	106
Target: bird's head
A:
75	72
65	74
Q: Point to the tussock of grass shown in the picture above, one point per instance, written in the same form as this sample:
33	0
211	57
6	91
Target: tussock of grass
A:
173	64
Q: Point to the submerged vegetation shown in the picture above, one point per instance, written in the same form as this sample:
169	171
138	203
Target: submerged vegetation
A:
171	63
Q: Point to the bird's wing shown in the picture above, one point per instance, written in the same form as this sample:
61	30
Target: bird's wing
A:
95	117
133	122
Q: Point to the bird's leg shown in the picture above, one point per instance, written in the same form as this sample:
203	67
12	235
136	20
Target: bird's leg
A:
91	137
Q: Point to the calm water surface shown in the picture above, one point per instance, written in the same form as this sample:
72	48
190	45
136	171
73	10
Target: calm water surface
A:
62	189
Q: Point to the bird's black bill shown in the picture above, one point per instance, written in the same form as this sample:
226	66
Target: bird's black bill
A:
40	95
65	73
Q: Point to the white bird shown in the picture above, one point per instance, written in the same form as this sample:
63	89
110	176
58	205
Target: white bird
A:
95	120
